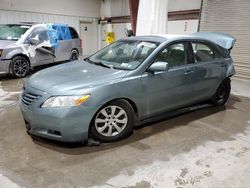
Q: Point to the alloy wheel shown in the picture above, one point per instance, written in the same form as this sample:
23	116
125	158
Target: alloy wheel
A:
20	68
111	121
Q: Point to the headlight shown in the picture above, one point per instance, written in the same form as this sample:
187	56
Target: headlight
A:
65	101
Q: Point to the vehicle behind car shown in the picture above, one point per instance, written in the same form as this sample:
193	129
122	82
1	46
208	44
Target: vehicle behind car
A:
25	46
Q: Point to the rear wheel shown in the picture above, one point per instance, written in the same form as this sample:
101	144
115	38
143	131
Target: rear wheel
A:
19	67
222	93
113	122
74	55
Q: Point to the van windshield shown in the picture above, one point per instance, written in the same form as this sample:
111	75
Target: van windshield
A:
12	32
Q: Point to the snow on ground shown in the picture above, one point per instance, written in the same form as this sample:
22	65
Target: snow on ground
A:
6	183
214	164
6	97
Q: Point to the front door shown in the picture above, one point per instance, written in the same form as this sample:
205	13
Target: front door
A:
42	52
170	89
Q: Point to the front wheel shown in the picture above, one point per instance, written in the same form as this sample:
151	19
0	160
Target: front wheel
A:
19	67
113	122
222	93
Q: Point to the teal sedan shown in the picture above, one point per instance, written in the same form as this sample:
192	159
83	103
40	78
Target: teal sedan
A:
128	82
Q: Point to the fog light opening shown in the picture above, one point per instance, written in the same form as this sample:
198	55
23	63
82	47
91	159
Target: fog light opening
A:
53	132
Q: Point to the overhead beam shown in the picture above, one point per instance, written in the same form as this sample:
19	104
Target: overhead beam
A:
174	15
184	15
116	19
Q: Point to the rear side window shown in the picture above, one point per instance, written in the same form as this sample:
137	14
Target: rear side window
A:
205	53
73	33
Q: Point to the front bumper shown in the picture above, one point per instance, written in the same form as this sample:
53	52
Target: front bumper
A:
4	66
61	124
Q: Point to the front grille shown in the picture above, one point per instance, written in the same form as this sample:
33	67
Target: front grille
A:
29	98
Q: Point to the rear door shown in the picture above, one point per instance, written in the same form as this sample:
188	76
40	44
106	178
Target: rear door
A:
64	43
210	69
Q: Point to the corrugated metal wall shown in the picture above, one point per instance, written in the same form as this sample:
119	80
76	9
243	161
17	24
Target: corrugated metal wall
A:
232	17
9	16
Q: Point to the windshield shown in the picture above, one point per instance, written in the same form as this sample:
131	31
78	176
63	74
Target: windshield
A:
125	54
12	32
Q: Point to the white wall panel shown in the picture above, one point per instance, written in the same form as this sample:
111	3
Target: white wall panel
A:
88	8
7	16
113	8
179	5
183	27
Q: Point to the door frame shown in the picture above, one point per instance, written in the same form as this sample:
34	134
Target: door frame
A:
94	27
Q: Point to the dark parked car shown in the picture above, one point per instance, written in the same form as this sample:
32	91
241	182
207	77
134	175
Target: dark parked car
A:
134	79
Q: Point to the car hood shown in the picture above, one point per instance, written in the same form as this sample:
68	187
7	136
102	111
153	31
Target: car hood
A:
73	76
6	43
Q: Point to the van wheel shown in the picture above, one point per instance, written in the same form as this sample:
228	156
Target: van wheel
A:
74	55
113	122
222	93
19	67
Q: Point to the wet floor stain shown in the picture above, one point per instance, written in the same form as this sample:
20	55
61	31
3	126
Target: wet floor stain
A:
214	164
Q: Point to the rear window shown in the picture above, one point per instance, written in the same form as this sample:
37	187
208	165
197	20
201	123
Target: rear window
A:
73	33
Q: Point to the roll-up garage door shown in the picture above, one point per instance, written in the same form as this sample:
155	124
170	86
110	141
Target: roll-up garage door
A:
232	17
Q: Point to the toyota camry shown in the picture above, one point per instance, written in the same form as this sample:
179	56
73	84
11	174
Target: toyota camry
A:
128	82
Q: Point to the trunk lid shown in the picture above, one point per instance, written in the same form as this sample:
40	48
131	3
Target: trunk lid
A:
224	40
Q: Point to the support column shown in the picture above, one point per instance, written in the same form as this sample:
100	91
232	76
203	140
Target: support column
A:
134	4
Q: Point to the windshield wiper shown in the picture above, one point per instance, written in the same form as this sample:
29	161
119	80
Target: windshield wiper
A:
99	63
88	60
104	64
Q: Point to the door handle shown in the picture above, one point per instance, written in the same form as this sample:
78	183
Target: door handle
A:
188	72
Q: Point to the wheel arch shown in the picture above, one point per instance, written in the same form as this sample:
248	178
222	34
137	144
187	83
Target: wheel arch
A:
21	55
75	49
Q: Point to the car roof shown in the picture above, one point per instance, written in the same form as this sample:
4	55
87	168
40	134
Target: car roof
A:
161	37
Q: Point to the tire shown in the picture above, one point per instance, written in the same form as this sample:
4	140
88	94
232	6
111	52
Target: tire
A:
74	55
20	67
104	125
222	93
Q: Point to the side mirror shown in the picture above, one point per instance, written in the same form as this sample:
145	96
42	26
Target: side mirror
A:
158	66
33	41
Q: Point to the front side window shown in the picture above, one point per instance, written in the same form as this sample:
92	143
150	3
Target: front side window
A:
12	32
40	33
174	55
204	53
125	54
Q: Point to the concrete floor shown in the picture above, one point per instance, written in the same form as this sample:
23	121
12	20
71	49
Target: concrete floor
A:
206	148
